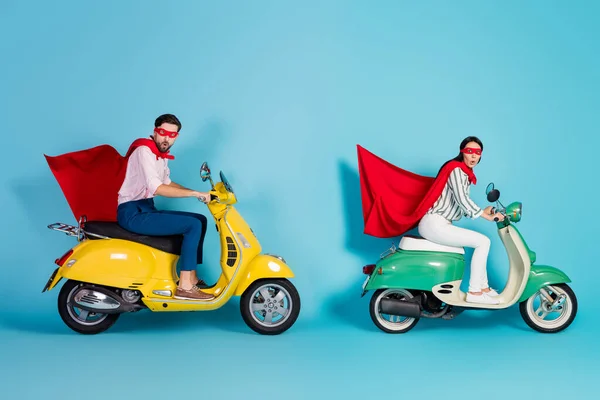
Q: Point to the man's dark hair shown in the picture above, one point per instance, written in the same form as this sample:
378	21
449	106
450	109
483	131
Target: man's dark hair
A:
169	119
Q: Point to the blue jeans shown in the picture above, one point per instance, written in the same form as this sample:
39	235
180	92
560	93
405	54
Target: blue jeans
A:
142	217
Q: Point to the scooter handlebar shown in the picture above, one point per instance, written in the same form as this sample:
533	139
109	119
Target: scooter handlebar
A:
494	211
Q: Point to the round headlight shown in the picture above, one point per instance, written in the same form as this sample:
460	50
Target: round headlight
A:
514	211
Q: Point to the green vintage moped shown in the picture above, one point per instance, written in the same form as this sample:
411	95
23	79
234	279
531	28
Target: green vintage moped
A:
421	279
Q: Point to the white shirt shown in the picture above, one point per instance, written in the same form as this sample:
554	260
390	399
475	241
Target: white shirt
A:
144	174
454	202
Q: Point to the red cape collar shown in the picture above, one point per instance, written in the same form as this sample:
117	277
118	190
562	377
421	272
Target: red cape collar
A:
151	144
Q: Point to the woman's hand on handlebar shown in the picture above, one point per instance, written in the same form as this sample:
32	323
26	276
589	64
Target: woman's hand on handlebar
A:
490	214
498	217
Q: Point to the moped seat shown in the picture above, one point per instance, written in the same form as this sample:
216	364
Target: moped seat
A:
417	243
112	230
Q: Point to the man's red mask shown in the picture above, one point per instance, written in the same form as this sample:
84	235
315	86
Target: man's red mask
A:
164	132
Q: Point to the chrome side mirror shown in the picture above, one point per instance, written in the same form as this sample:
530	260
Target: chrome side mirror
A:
204	172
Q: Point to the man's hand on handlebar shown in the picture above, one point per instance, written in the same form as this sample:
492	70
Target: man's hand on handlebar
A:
202	196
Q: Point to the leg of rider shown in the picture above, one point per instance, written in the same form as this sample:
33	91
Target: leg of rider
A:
439	230
199	257
157	223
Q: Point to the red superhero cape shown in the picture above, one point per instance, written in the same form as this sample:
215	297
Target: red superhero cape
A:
394	200
90	179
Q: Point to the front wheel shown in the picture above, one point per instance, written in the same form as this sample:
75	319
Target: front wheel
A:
270	306
77	319
550	316
391	323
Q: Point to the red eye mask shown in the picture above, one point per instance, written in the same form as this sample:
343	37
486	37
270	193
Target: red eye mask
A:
164	132
471	150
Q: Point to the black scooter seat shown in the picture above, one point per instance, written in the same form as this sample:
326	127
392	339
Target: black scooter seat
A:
112	230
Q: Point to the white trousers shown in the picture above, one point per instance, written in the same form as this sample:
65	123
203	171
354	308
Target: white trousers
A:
438	229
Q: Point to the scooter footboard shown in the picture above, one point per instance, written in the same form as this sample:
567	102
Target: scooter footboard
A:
263	266
540	276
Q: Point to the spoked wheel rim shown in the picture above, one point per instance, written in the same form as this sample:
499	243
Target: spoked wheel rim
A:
541	312
393	322
83	317
271	305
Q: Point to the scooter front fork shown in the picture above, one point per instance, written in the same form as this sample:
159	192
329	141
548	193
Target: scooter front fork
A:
553	304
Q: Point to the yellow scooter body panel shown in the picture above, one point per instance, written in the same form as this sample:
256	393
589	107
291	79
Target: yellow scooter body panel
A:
239	248
238	243
119	263
130	265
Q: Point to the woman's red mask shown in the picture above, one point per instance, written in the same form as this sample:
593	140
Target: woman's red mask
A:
471	150
164	132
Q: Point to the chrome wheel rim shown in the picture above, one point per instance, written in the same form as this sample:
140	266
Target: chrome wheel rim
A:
271	305
393	322
541	312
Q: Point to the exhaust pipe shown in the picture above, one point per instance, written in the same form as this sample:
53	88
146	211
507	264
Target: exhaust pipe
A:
401	308
100	300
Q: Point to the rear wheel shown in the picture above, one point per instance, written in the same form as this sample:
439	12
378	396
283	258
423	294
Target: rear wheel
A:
391	323
550	316
270	306
79	320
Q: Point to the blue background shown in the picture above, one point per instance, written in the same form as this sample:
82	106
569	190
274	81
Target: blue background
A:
278	94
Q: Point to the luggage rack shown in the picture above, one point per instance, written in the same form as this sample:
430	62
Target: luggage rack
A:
71	230
389	251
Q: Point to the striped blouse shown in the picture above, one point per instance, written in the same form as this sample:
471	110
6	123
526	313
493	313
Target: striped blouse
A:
454	202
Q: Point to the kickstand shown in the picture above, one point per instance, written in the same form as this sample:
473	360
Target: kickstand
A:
452	313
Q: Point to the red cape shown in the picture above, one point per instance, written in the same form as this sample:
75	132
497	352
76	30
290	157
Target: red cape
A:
394	200
90	179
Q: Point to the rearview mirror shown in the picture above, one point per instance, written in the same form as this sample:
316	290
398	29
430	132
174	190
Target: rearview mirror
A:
493	195
204	172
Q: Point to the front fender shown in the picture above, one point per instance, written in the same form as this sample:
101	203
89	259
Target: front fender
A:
263	266
540	276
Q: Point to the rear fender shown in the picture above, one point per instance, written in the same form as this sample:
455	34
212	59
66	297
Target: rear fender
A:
418	270
57	273
118	263
53	281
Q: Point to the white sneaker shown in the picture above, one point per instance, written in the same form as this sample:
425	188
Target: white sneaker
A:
483	298
492	293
